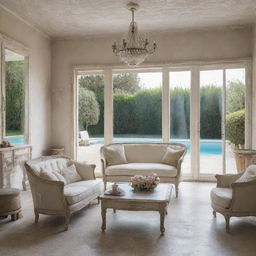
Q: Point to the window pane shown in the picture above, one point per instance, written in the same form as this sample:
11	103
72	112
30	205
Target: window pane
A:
211	83
90	118
235	107
180	112
137	107
15	70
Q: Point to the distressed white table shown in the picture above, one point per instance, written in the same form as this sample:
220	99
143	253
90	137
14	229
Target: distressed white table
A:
157	200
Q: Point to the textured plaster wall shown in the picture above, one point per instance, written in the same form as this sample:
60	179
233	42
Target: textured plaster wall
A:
39	78
184	46
254	89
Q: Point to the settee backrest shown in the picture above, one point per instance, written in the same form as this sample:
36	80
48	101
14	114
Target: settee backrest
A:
49	163
147	152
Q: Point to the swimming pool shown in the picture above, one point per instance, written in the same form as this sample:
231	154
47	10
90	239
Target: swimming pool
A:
15	140
207	147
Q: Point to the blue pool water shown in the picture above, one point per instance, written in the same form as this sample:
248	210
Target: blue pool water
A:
207	147
15	140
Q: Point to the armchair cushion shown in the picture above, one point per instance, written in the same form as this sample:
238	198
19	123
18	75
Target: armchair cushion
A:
172	156
131	169
76	192
221	197
70	174
115	154
248	175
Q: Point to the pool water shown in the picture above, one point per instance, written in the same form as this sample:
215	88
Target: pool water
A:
15	140
207	147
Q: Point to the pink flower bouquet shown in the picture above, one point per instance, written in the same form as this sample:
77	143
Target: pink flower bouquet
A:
145	183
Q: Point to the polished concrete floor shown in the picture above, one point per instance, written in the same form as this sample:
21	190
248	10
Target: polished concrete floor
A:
190	230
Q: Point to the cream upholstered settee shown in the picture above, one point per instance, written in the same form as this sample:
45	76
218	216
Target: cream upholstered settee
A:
121	161
59	197
235	195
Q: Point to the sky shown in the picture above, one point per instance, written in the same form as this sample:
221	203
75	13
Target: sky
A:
182	78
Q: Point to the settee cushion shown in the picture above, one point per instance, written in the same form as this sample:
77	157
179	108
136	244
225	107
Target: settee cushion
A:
52	175
78	191
144	153
131	169
221	197
172	156
115	154
70	174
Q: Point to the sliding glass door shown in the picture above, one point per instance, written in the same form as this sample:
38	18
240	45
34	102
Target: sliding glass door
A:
211	86
222	100
192	105
90	132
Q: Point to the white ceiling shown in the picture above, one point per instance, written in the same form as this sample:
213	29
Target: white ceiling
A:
76	18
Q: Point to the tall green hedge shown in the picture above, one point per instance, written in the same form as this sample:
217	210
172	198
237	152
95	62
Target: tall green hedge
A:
141	113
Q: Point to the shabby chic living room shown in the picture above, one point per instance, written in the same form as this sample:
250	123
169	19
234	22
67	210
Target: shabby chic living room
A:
127	127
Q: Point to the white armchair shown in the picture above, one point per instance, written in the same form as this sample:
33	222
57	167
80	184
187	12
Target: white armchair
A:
56	198
231	198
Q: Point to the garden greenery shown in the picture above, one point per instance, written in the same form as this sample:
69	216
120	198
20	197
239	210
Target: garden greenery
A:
235	128
15	96
139	111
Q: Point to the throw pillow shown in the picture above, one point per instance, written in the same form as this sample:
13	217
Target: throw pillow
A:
53	175
172	156
115	154
85	170
249	174
70	174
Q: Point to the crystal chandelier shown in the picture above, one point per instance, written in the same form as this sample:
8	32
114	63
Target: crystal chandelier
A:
134	48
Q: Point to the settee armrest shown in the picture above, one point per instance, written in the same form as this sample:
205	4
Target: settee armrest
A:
85	170
47	194
243	197
225	180
179	163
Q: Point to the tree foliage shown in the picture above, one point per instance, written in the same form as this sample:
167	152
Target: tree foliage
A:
235	96
15	94
88	109
235	127
122	83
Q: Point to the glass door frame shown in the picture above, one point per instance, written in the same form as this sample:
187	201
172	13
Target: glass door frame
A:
194	67
248	112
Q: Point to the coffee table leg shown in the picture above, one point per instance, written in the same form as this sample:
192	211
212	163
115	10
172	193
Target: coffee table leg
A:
103	215
162	217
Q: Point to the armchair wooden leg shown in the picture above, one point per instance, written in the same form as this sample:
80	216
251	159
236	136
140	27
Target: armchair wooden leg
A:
176	190
105	185
227	218
36	217
214	213
67	220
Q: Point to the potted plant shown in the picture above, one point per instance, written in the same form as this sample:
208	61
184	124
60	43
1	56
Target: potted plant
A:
235	134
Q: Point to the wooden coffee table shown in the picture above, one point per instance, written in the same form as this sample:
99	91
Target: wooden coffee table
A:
157	200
